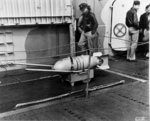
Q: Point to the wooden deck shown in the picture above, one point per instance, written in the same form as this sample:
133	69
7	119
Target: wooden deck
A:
128	102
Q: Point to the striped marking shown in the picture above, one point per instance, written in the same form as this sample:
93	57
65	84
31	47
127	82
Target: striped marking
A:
127	76
48	99
45	102
34	107
30	80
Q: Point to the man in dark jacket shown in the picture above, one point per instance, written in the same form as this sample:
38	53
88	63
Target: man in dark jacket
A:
133	28
144	26
144	19
87	25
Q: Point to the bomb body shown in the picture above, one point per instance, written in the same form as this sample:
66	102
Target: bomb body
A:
77	63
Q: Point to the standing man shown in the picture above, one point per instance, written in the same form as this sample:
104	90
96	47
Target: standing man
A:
87	26
133	28
144	29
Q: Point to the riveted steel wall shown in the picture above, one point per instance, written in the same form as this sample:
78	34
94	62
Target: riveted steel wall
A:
31	12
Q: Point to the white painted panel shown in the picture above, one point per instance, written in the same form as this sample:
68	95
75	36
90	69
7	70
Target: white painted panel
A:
29	12
120	9
1	38
9	37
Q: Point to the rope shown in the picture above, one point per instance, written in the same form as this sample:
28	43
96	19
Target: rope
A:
69	54
44	49
6	71
66	54
128	41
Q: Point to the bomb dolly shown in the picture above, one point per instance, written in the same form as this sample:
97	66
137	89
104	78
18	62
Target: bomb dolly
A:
72	69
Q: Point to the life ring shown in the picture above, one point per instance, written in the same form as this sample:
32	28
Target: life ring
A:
120	30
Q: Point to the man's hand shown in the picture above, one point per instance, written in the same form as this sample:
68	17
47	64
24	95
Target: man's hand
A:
80	30
92	35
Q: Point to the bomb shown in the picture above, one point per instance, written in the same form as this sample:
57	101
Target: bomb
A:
78	62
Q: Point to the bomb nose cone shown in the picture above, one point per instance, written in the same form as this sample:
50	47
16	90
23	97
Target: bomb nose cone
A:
62	65
58	67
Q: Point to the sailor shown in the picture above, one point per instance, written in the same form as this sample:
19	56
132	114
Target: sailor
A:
87	26
133	28
144	29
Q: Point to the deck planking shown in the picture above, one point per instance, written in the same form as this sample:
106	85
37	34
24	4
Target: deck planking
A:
120	103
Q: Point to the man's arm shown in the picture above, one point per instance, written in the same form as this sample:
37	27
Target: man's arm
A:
135	21
95	23
141	23
79	24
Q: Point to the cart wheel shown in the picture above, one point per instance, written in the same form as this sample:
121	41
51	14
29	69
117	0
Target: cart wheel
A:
85	81
72	84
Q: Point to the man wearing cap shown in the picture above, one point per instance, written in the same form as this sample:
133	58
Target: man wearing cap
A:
87	26
144	29
133	28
